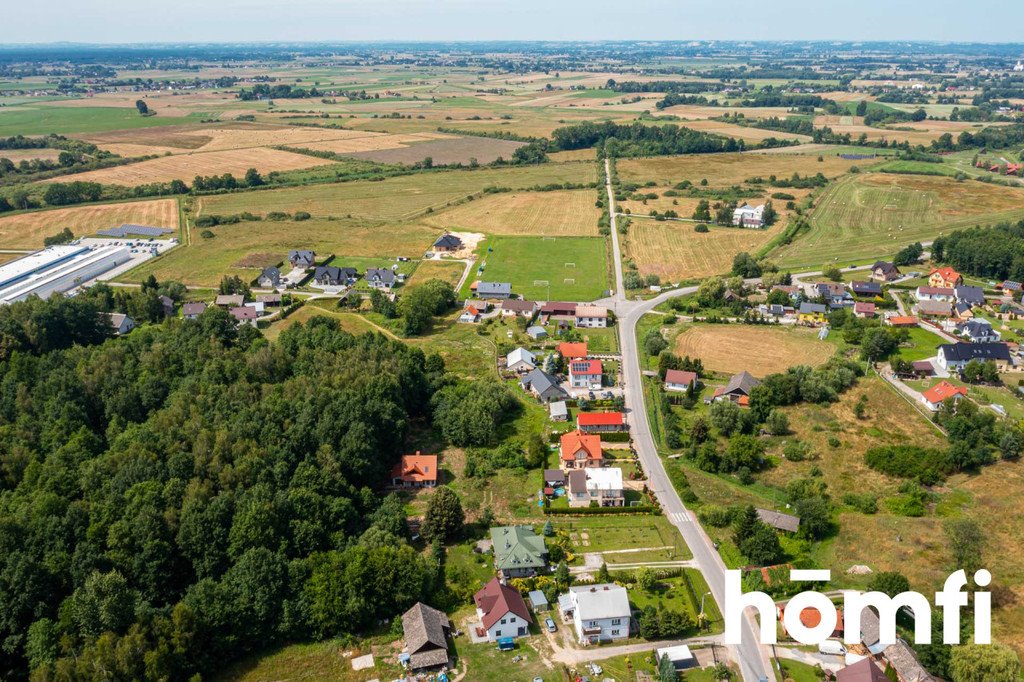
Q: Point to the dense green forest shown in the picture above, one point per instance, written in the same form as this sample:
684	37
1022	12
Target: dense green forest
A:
178	497
996	252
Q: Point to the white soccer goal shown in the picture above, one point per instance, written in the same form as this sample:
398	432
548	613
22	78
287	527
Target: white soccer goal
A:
548	239
570	265
540	282
568	280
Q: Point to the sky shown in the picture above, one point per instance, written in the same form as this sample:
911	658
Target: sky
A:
134	21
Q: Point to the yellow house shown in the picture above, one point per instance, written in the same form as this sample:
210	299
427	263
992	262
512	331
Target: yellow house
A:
945	278
812	313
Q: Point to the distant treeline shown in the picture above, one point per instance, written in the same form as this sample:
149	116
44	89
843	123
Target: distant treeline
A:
993	137
689	87
991	252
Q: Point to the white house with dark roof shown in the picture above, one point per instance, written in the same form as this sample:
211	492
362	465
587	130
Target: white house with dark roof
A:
380	278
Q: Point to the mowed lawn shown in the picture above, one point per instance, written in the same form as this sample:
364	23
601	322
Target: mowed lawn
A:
758	349
876	214
675	252
27	230
556	214
205	261
547	268
725	170
395	198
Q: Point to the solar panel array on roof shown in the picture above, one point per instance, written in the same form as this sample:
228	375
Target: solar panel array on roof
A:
135	230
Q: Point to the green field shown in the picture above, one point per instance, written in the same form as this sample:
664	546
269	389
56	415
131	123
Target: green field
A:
552	268
31	120
875	214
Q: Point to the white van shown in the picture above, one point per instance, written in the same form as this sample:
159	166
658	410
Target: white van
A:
832	647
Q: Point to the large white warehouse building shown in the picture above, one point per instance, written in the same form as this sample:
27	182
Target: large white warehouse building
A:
57	269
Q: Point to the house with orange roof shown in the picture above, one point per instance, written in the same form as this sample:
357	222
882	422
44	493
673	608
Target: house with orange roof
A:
596	422
944	278
470	315
901	321
572	351
941	392
415	471
580	450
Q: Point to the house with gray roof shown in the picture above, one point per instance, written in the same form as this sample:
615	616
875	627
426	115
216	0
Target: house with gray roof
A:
544	386
978	331
380	278
600	613
426	633
518	551
779	521
302	258
270	278
191	311
972	296
494	289
738	389
537	333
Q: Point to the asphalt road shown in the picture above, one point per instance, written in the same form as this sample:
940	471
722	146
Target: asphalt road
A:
753	658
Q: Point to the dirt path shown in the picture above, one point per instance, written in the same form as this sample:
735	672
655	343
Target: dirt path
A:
573	657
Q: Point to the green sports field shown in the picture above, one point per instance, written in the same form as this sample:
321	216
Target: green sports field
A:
547	268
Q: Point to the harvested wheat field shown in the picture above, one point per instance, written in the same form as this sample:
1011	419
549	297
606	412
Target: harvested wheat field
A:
551	214
446	151
27	230
359	142
220	137
187	166
760	350
725	170
675	252
18	155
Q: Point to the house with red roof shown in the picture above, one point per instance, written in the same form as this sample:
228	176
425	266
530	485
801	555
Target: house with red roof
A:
502	612
580	450
572	351
585	374
863	309
940	392
944	278
680	380
415	471
597	422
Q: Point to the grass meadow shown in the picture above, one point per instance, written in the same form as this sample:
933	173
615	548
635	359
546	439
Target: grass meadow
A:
876	214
